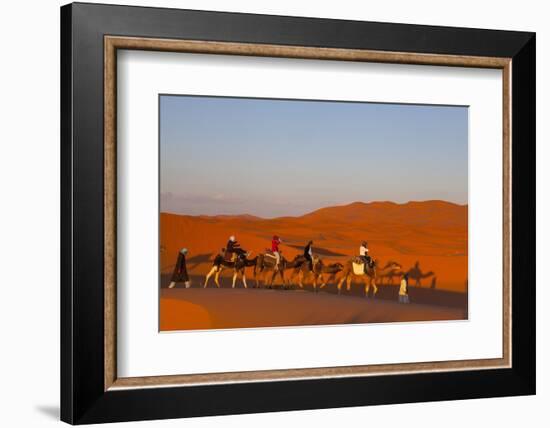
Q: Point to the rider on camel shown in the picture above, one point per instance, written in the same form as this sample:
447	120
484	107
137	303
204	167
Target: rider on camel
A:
275	242
233	247
364	254
308	254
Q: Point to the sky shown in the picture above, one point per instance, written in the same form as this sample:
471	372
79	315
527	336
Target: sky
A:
272	158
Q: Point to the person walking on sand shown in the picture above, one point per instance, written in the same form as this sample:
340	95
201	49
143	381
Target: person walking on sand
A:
404	289
308	254
180	271
275	242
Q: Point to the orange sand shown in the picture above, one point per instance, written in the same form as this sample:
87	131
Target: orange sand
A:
177	312
194	308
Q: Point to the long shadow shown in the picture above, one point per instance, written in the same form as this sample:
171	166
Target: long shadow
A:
416	275
193	262
319	251
425	295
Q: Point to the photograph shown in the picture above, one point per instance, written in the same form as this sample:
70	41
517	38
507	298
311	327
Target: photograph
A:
265	211
292	212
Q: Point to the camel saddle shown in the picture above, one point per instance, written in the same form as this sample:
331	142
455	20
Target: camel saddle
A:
359	265
358	268
269	253
228	256
269	258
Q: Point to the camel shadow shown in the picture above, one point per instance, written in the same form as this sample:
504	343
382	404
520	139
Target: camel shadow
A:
416	275
319	251
194	261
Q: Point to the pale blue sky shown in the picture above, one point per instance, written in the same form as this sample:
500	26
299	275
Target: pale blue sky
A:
274	158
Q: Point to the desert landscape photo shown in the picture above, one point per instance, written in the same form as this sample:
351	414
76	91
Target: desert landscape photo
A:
339	213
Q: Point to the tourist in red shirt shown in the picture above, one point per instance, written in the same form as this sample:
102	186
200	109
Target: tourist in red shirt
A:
275	249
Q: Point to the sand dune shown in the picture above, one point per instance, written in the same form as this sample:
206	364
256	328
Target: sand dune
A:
434	233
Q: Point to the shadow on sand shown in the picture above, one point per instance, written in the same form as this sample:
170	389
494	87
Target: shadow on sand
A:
425	295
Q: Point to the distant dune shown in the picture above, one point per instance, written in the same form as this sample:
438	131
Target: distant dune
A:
432	233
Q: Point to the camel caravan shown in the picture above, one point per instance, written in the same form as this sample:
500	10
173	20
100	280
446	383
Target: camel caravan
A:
270	265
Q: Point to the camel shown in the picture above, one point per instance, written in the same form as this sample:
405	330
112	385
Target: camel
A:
303	270
319	268
266	264
332	269
370	277
238	264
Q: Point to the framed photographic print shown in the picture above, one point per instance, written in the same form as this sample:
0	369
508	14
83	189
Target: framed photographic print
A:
265	213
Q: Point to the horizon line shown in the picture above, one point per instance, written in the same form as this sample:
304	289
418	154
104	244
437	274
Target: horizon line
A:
317	209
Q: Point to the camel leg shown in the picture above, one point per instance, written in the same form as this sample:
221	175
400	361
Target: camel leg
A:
263	281
317	279
282	275
300	278
374	288
331	277
234	279
257	278
340	284
348	283
209	275
291	277
367	288
217	278
244	280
